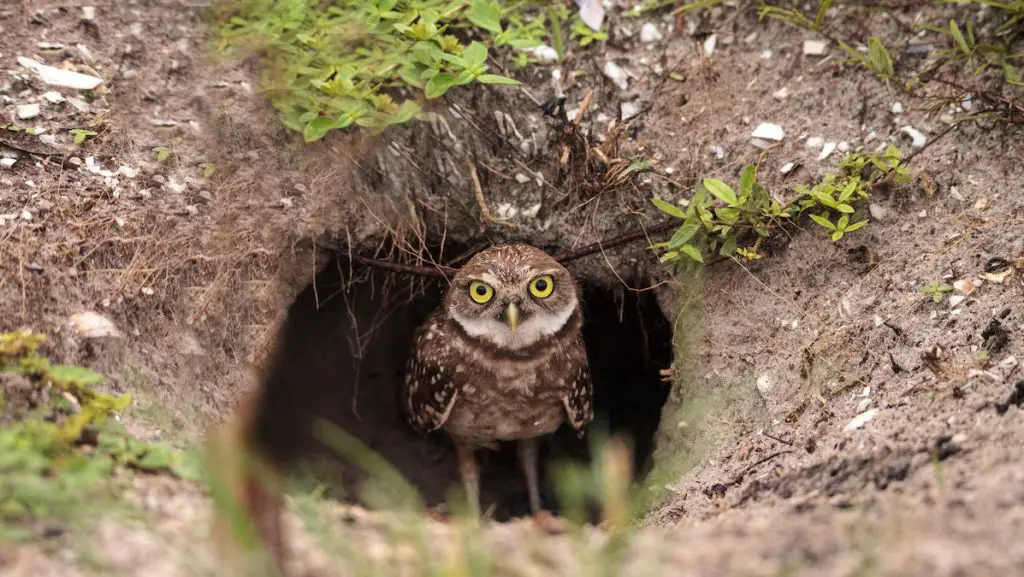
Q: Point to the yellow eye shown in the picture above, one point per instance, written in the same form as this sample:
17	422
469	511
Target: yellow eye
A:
480	292
542	286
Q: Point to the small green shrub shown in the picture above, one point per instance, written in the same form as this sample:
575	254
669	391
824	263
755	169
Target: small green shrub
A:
60	441
719	220
333	65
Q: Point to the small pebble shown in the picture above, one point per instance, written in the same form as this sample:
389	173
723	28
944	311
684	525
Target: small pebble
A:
650	33
827	150
917	140
768	131
7	162
815	47
815	142
709	44
28	111
629	110
616	74
787	168
897	108
53	97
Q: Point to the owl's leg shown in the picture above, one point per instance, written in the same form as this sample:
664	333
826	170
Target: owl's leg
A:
470	476
528	459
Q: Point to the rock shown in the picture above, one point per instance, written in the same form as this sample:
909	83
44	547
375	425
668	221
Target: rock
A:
92	325
827	150
766	54
965	285
48	139
128	171
877	211
815	47
522	178
981	204
897	108
815	142
28	111
781	94
58	77
88	12
50	46
53	97
764	384
7	162
787	168
26	215
79	105
545	54
591	13
709	44
162	122
768	131
917	140
628	110
843	147
718	152
616	74
860	420
650	33
863	405
955	300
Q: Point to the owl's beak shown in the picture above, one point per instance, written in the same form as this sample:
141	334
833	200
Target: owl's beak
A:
511	316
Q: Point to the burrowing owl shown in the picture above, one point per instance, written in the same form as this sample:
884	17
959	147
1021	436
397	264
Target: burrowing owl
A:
502	359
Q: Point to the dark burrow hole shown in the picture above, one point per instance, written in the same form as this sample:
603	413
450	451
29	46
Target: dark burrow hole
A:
341	355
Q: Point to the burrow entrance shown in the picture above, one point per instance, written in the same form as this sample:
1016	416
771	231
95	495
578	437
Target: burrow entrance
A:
341	356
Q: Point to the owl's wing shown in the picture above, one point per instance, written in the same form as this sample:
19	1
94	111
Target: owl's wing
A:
429	391
578	399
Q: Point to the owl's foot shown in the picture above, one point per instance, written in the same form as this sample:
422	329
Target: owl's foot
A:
470	476
528	459
549	522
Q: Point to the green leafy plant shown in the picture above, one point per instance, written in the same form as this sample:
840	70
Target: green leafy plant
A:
585	35
937	290
60	441
368	64
162	153
80	135
721	220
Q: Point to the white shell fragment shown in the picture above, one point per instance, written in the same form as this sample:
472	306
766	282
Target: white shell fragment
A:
616	74
827	150
591	13
815	47
768	131
650	33
92	325
58	77
860	420
917	140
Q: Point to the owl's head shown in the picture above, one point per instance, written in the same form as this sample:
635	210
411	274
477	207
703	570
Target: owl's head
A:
512	296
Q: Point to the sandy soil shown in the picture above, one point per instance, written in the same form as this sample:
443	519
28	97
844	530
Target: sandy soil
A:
792	349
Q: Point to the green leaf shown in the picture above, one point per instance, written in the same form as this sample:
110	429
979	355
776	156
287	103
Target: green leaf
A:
317	128
668	208
692	252
70	375
747	179
728	247
844	208
954	29
721	190
683	235
727	215
439	84
843	221
669	256
485	15
856	226
837	235
475	54
823	221
496	79
880	56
